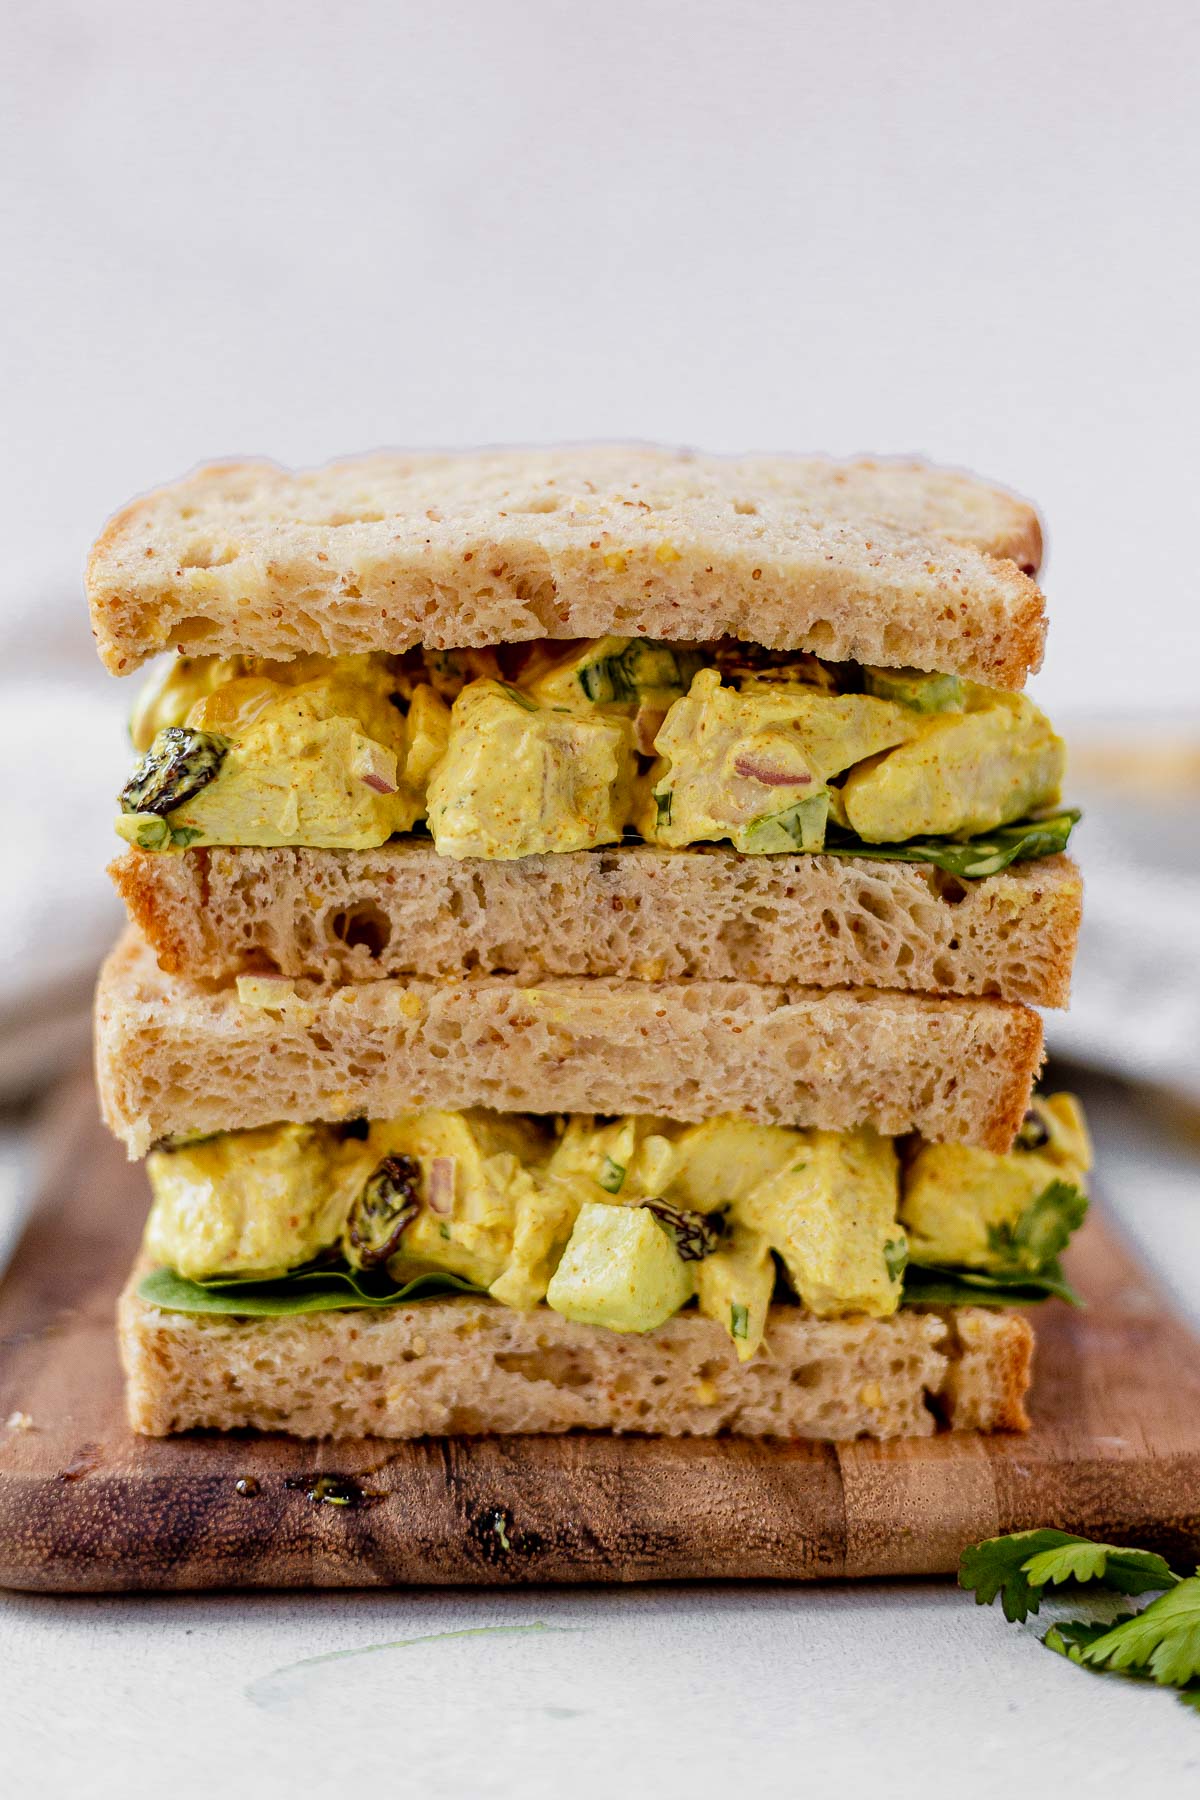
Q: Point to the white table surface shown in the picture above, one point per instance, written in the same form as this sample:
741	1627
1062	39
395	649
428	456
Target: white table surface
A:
695	1690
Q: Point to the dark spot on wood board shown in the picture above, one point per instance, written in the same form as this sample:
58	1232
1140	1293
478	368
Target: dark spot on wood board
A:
493	1530
334	1490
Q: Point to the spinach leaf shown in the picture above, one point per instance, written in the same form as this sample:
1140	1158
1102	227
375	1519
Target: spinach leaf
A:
312	1290
933	1286
974	858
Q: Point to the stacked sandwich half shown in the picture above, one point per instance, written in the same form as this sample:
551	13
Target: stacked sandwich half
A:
587	913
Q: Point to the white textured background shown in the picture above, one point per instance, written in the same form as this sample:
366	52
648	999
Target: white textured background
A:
302	229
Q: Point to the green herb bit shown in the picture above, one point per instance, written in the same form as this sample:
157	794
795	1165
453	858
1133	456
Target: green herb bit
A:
640	667
799	827
1163	1640
611	1176
184	1140
739	1320
914	688
929	1284
662	807
895	1255
1073	1638
321	1287
605	681
1034	1133
153	833
516	695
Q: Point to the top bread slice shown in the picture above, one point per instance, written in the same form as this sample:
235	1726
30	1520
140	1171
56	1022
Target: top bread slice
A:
892	563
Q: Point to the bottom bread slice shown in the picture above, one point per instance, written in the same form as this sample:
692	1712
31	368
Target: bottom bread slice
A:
468	1367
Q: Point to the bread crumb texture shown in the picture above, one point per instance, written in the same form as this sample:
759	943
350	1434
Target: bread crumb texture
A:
174	1055
652	915
893	563
468	1367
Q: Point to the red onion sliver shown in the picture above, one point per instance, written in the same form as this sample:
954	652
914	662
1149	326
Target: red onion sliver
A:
441	1184
770	777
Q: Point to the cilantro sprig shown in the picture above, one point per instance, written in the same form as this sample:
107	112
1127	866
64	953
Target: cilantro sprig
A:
1161	1643
1019	1566
1043	1229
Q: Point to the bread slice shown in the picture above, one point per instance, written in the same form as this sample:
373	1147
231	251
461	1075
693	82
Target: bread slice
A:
175	1056
892	563
469	1367
634	911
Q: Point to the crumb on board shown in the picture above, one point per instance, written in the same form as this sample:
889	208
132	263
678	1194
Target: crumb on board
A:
18	1421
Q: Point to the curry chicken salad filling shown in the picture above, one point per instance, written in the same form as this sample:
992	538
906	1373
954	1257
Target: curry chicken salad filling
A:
617	1223
550	747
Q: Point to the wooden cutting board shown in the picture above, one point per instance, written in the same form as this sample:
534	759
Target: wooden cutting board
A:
85	1506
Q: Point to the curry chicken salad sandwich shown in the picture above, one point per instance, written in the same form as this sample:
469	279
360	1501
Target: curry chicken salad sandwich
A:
587	910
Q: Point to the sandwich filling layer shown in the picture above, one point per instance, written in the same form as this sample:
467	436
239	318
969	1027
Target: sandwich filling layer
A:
532	749
617	1223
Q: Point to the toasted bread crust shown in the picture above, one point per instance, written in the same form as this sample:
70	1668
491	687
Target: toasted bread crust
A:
990	1372
892	563
471	1367
175	1056
633	911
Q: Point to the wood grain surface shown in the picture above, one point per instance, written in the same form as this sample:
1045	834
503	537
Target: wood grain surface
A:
85	1506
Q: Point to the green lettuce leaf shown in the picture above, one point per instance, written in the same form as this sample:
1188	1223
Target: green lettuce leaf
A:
932	1286
303	1291
974	858
337	1289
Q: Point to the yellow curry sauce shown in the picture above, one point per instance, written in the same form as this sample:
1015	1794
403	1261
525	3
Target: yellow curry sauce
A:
554	748
616	1223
